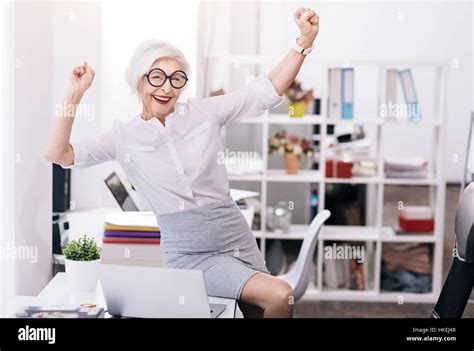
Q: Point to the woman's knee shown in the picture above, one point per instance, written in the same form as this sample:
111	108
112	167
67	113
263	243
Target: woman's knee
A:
265	291
281	295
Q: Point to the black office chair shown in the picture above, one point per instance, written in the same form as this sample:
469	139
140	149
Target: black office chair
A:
460	280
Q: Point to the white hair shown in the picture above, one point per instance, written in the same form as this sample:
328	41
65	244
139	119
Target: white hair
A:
148	52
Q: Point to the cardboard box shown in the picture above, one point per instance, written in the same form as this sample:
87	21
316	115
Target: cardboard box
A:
338	169
415	225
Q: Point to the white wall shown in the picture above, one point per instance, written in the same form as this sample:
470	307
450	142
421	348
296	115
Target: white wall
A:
33	109
76	37
7	170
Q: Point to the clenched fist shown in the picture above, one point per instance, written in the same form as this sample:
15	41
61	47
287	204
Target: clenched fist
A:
307	21
81	78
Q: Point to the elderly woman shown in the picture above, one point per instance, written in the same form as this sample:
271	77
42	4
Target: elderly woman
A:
170	152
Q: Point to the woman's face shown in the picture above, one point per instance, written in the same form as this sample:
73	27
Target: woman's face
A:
160	101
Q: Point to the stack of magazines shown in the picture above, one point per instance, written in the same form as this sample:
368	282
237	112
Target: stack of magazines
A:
66	311
131	238
406	167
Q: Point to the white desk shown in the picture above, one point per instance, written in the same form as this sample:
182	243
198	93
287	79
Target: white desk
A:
57	293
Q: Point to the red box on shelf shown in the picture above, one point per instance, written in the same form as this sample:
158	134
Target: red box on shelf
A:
415	225
338	169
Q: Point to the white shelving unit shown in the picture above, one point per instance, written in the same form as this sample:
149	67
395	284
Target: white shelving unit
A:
378	234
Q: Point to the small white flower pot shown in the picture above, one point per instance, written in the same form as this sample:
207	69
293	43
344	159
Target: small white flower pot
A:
82	276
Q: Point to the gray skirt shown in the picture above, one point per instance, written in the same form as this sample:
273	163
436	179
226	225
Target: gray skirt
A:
215	239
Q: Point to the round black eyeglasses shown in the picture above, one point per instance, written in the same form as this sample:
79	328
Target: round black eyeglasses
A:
157	77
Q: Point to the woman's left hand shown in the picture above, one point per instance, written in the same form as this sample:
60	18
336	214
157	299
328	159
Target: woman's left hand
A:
307	21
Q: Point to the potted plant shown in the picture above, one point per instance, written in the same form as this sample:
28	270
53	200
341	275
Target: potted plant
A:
298	99
292	148
82	260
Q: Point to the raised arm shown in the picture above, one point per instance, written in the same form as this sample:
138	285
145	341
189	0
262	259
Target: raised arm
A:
58	149
266	90
285	72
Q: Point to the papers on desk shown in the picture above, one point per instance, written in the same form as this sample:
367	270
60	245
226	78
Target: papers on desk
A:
133	219
238	194
248	213
66	311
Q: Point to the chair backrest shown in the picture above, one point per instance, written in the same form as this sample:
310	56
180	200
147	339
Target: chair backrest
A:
464	225
298	277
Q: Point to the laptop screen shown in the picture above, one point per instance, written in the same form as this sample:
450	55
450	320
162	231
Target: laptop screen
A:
120	193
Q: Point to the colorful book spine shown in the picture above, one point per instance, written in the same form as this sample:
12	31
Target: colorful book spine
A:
124	240
131	234
130	228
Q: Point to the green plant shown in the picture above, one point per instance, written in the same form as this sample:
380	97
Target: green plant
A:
83	249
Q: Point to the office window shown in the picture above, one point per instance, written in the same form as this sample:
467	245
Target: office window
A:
127	24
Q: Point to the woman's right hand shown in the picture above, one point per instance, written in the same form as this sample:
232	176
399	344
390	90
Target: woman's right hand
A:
80	78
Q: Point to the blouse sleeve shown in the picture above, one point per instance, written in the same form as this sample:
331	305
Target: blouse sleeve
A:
252	100
94	150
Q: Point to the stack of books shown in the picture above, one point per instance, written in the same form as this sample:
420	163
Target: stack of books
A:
345	271
131	238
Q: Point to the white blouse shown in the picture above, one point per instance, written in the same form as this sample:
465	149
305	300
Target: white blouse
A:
178	166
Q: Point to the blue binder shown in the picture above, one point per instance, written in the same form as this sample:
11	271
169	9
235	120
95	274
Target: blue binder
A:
347	93
409	92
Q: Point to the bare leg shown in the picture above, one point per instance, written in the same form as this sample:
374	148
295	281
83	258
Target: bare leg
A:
272	294
250	311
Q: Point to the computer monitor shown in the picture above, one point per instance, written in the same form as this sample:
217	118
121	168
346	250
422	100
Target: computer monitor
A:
120	193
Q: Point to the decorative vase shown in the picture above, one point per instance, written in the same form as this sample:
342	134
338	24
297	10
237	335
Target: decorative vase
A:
292	163
279	218
82	276
297	109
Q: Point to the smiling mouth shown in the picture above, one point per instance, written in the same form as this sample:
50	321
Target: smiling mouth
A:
163	100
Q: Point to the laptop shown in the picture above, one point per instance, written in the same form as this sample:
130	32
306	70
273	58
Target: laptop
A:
127	203
120	193
152	292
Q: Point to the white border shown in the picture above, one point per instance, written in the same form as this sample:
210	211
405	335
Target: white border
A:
7	142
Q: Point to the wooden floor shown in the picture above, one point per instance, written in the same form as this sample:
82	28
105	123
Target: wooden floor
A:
337	309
